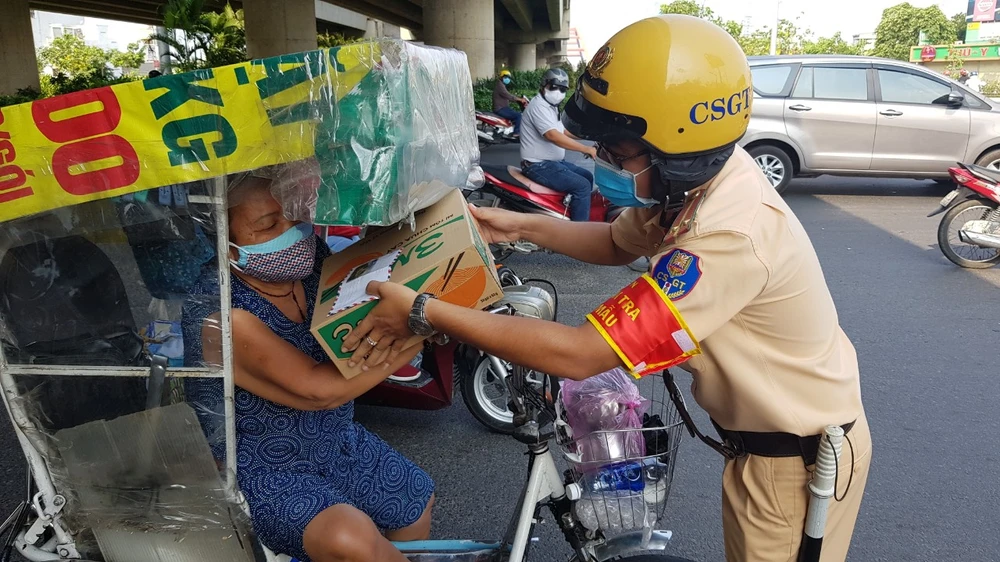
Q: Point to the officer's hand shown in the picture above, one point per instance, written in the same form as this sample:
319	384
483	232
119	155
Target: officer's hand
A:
498	225
591	152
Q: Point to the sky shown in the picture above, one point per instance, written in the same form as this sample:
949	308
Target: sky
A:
596	21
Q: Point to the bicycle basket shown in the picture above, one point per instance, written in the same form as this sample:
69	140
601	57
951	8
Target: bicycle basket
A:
630	491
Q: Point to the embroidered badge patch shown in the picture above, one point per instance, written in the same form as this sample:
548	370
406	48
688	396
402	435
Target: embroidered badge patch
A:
677	273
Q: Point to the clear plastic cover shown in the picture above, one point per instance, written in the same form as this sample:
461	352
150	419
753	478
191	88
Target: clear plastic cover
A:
110	275
91	312
353	135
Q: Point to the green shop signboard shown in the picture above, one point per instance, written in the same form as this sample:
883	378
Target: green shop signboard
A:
932	53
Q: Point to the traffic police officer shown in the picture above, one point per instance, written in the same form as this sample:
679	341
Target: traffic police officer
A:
735	292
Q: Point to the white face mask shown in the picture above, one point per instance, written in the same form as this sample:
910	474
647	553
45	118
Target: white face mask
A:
555	97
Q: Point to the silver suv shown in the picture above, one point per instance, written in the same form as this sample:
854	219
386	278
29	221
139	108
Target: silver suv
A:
865	116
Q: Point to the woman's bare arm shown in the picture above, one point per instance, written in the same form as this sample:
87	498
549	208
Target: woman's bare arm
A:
274	369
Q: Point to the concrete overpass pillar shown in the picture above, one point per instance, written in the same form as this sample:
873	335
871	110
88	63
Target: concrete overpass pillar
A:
279	27
17	53
466	25
523	56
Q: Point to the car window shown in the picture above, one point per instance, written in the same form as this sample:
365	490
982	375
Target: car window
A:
903	87
832	83
770	80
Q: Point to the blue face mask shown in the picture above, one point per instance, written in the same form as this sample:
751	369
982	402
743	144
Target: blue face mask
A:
289	257
505	80
618	185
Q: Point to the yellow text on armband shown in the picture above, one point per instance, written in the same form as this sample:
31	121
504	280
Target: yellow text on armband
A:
629	307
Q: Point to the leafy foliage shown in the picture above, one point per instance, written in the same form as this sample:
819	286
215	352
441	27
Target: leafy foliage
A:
901	28
23	95
68	54
198	39
961	22
336	39
791	39
835	45
133	56
522	83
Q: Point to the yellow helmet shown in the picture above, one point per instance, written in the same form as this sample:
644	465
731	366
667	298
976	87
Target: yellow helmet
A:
504	72
679	83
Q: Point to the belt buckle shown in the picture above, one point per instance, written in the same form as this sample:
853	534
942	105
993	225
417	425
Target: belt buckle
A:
732	448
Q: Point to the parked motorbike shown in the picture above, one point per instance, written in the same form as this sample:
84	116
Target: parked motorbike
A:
508	188
493	129
483	379
969	233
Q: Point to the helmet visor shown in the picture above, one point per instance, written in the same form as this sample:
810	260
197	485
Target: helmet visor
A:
588	121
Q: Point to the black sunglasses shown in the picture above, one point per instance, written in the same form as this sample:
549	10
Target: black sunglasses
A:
553	87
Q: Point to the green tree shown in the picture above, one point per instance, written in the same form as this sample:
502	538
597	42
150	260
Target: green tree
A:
835	45
758	42
199	39
692	8
336	39
960	22
133	56
68	54
902	25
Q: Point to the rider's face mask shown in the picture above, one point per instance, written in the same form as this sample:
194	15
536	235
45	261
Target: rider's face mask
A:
617	184
555	97
289	257
505	80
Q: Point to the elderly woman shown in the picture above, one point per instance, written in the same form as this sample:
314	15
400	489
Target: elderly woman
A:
319	485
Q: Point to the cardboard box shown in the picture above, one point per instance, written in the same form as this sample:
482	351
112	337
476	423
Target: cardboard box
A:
443	255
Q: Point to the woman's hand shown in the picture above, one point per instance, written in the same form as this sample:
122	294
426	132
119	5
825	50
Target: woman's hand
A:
386	325
498	225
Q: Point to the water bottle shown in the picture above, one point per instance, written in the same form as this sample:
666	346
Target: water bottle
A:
654	475
622	476
611	511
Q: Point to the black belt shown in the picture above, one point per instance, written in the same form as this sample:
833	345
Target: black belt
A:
774	444
737	444
525	164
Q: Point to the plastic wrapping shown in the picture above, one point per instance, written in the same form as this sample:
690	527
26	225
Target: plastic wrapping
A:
111	280
409	121
79	324
352	135
630	491
611	402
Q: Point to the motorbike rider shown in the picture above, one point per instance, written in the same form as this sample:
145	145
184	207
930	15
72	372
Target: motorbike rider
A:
544	142
735	291
502	99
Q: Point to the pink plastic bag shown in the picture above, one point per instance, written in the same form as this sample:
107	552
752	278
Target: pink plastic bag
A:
598	409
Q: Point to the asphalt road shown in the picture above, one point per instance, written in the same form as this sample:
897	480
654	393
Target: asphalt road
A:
927	335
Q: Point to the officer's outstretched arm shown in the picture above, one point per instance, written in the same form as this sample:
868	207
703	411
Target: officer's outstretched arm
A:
559	350
589	242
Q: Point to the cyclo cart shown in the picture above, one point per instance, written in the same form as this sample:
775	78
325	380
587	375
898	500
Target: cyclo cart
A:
114	202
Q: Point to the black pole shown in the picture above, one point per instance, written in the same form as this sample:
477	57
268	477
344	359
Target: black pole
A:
810	549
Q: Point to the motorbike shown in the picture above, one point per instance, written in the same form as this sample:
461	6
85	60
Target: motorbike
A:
493	129
507	187
482	380
969	232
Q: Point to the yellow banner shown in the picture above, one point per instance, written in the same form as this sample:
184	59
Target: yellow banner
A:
171	129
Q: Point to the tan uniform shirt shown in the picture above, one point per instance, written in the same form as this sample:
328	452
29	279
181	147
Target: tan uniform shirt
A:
742	272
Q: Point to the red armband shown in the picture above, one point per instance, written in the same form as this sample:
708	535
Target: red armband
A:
644	328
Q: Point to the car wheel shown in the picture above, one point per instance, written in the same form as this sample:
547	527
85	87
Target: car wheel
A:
990	160
775	164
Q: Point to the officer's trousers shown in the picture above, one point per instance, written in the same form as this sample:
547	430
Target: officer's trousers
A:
764	503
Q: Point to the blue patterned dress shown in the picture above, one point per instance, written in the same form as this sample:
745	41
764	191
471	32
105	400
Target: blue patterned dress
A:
293	464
